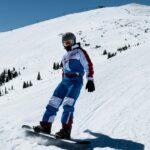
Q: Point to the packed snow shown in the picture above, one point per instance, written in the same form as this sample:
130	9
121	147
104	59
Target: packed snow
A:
116	115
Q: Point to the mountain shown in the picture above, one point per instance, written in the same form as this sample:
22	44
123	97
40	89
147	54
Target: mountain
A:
116	115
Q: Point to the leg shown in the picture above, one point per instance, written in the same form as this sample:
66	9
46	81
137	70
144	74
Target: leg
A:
55	102
68	104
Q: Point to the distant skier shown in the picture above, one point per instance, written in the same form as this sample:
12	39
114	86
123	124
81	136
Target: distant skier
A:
74	63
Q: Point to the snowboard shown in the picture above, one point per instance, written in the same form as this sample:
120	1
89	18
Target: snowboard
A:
30	130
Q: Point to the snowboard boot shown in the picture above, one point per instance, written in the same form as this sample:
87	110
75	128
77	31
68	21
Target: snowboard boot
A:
44	127
64	133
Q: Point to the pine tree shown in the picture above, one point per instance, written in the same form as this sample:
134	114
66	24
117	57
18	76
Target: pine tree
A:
60	65
27	84
24	85
3	75
104	52
109	55
1	81
57	66
7	79
0	93
14	69
30	84
12	88
19	73
9	75
15	74
6	92
54	66
39	76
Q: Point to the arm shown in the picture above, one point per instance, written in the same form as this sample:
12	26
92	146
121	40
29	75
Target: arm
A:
88	67
87	64
61	65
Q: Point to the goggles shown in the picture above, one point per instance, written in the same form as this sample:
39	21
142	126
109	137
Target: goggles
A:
67	43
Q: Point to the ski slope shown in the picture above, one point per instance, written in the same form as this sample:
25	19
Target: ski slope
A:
116	115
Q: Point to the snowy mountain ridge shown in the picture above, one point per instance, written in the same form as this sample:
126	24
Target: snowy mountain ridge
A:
116	115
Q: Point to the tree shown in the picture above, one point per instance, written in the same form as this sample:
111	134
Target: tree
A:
3	75
104	52
9	75
1	81
27	84
19	73
30	84
24	85
87	44
0	93
57	66
14	69
7	79
15	74
6	92
54	66
111	55
97	46
100	6
39	76
60	66
12	88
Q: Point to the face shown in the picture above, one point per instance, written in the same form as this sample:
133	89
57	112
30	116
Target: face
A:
67	43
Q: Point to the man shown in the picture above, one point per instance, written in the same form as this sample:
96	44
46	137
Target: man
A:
74	63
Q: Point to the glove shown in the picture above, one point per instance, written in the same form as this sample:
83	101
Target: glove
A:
90	86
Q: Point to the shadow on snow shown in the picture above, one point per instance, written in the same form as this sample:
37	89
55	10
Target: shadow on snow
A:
100	141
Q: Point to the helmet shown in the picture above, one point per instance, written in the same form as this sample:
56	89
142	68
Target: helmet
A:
69	37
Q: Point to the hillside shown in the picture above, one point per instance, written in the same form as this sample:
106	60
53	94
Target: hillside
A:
116	115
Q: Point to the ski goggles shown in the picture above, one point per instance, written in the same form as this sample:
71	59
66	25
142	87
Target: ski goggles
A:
67	43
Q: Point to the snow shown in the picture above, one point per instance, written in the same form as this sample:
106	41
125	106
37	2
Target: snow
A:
116	115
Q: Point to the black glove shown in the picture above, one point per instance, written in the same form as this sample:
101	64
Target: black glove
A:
90	86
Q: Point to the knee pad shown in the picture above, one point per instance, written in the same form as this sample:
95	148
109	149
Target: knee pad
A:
68	101
55	101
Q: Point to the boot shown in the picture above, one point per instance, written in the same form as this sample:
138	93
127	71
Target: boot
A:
64	133
44	127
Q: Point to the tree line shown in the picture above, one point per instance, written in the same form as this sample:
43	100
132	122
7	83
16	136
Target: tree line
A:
8	75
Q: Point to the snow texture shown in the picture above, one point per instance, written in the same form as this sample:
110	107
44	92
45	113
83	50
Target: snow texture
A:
116	115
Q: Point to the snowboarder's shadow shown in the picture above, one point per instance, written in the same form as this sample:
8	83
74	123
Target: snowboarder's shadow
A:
102	141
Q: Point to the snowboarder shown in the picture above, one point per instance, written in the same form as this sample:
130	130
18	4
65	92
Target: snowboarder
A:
74	63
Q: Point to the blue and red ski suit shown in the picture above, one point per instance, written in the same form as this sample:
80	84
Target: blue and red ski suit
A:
75	63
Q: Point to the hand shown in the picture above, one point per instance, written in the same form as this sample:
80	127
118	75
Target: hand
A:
90	86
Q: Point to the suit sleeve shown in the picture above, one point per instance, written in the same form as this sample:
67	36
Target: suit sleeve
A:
87	64
62	66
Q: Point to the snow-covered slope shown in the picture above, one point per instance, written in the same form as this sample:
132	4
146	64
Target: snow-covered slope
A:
116	115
